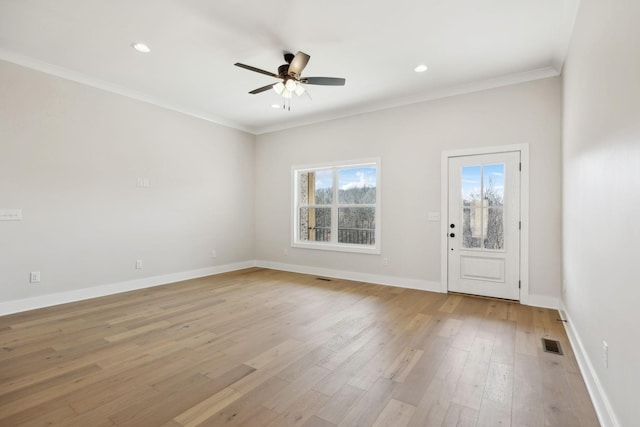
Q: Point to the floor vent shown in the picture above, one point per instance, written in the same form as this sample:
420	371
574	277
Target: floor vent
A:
324	279
551	346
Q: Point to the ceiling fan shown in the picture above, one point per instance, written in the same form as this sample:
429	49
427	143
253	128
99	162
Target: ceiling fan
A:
289	73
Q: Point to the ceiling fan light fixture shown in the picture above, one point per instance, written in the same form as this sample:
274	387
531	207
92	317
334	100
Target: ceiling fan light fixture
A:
279	88
299	90
291	85
287	94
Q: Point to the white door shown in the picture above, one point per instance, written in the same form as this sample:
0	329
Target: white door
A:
484	225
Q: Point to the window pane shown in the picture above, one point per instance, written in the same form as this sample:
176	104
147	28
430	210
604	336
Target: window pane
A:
315	224
357	226
321	187
315	188
493	180
357	185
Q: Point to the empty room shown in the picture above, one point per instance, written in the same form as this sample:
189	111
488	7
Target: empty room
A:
410	213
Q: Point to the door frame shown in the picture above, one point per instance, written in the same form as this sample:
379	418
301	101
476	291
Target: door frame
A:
524	211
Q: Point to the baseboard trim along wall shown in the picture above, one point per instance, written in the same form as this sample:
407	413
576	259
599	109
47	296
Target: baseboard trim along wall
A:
26	304
401	282
603	407
16	306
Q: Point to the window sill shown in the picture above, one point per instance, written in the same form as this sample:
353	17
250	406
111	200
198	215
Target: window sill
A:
337	247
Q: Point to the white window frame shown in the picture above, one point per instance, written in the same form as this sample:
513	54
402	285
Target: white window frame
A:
334	245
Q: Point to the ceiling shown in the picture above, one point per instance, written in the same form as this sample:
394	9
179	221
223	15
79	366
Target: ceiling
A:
468	45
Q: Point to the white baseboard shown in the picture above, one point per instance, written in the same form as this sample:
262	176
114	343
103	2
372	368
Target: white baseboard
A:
41	301
401	282
601	403
26	304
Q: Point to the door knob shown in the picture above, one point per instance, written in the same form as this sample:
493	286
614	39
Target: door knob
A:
452	226
452	235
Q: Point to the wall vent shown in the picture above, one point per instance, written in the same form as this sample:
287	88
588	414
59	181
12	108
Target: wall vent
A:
551	346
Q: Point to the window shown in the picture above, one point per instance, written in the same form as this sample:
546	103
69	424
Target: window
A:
337	207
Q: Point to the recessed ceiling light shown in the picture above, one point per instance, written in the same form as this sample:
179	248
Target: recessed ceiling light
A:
420	68
141	47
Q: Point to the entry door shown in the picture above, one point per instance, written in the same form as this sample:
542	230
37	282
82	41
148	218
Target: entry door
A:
484	225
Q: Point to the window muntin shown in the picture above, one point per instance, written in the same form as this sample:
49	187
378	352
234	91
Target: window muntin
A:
337	207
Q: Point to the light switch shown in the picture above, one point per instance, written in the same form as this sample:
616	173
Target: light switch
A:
433	216
10	214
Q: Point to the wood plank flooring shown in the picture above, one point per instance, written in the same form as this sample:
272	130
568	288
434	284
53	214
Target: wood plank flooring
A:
268	348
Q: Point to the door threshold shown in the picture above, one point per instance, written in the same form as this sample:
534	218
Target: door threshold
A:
462	294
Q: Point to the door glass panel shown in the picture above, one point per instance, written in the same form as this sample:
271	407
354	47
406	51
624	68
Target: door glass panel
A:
468	239
493	182
471	207
482	206
495	229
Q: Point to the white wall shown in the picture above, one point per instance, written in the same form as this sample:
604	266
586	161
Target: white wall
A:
601	150
70	156
410	140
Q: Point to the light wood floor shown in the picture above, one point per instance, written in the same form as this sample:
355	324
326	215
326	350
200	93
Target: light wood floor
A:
267	348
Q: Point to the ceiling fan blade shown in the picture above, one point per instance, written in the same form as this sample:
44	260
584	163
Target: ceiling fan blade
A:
262	89
324	81
257	70
298	63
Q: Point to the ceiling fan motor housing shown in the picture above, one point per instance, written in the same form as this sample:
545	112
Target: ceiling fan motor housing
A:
283	70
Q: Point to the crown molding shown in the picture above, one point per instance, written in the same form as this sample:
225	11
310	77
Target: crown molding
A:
432	95
75	76
477	86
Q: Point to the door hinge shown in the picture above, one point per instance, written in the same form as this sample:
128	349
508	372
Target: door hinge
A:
519	284
520	166
519	225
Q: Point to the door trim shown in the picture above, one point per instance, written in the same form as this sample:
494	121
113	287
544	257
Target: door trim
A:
524	211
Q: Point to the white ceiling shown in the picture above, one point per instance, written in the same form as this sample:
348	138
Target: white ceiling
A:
467	44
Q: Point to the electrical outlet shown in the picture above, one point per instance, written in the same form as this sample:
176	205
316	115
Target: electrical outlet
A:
34	277
139	265
285	251
385	261
605	354
214	253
